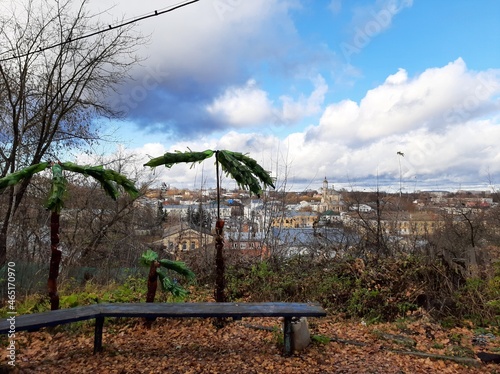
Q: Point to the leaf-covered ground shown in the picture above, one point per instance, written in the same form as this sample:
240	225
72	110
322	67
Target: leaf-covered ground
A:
196	346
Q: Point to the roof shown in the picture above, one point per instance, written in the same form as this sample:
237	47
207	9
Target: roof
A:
311	236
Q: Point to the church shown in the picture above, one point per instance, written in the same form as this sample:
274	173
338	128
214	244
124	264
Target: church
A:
331	200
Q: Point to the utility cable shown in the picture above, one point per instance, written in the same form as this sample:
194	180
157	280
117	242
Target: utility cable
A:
109	28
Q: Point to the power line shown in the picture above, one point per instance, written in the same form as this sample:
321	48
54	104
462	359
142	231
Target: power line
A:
109	28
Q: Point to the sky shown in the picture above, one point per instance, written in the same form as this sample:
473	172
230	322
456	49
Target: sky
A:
369	94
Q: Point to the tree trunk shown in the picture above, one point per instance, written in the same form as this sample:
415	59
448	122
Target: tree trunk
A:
55	261
219	262
3	245
5	228
152	286
152	282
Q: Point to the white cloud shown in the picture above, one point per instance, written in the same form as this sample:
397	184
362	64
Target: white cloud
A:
399	78
198	51
403	114
445	119
243	106
249	105
434	100
354	141
223	37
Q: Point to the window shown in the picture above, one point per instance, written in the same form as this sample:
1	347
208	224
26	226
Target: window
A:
193	245
184	246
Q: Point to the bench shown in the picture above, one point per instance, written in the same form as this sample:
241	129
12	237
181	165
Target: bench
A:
33	322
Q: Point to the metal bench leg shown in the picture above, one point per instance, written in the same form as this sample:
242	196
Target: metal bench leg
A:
287	336
99	322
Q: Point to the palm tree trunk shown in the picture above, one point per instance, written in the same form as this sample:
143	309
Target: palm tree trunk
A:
152	286
152	282
55	261
220	282
219	244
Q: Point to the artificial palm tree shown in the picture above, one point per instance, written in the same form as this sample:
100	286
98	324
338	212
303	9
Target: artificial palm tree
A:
247	173
156	270
109	180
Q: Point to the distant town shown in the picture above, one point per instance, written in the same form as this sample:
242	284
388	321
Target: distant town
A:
321	221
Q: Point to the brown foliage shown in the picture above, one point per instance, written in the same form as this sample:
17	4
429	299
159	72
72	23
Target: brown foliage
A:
195	346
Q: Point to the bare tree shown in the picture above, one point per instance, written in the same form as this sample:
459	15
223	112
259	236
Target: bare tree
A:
53	81
373	224
99	230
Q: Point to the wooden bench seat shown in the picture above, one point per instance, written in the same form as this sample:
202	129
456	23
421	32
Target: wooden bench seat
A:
33	322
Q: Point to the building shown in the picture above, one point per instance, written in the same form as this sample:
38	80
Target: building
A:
181	239
184	238
295	219
246	244
401	224
330	199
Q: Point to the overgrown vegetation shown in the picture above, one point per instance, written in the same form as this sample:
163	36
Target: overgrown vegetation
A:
391	290
132	290
375	290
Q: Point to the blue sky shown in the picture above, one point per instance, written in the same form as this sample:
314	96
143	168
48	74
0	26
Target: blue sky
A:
315	89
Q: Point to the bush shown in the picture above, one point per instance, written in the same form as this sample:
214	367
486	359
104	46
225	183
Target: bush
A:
376	289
